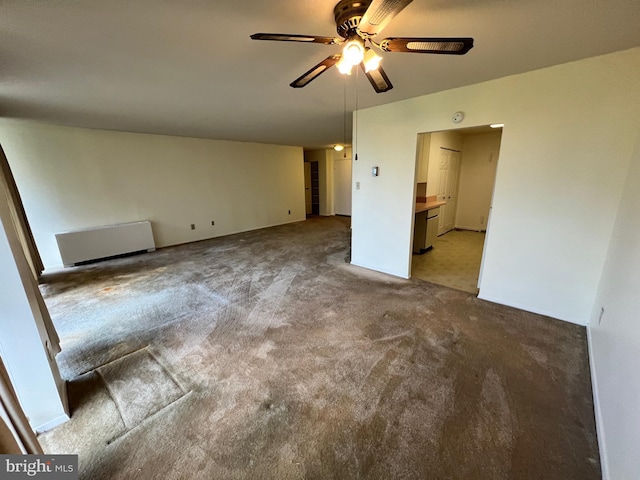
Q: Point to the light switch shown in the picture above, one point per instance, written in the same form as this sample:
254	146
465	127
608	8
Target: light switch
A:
357	185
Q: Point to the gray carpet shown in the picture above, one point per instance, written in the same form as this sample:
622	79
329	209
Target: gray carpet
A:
139	386
266	355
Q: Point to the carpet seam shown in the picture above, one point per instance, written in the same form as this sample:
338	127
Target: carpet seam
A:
95	369
113	398
134	427
169	374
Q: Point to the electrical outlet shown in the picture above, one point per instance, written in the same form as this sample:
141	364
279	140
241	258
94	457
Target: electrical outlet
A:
193	226
212	223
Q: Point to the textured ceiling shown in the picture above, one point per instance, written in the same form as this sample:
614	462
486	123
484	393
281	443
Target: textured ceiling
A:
189	68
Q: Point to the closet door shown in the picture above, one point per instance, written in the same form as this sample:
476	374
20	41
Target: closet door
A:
449	176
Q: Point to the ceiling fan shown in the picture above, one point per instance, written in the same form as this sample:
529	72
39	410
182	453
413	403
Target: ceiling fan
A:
358	22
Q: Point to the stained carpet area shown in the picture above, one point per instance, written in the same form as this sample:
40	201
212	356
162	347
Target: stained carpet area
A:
139	386
453	262
298	365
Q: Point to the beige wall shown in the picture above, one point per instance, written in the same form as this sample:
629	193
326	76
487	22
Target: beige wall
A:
614	339
566	146
477	176
73	178
342	164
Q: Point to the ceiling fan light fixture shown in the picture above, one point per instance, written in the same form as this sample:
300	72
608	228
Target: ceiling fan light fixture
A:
371	60
353	51
358	22
338	147
344	67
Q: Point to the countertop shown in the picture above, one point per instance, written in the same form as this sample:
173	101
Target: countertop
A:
423	207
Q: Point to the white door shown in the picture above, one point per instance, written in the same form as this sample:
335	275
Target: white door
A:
448	188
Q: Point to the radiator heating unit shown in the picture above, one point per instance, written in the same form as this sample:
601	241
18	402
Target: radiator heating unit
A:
96	243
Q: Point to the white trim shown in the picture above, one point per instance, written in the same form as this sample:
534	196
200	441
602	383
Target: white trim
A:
602	446
528	308
470	229
52	423
378	270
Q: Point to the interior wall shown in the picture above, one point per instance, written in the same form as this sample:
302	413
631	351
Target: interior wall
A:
34	375
342	165
614	337
566	146
74	178
477	177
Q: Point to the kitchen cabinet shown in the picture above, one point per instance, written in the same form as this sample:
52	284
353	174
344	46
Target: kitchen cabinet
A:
420	232
425	229
432	227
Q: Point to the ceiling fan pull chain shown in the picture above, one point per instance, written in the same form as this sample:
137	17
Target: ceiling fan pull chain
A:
354	135
344	132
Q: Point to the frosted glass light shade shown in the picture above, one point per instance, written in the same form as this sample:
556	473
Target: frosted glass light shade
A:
353	51
371	60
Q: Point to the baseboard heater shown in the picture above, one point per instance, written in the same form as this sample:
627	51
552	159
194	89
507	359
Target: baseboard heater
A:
97	243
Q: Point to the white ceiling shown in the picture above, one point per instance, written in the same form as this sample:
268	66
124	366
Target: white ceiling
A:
189	68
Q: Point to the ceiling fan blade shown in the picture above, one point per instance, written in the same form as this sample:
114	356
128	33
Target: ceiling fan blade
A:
379	14
378	78
313	73
284	37
447	46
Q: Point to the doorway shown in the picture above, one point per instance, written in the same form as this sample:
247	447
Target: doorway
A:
315	188
457	167
312	188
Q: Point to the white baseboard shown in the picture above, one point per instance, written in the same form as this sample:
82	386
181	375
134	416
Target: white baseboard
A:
379	270
528	308
604	466
52	423
472	229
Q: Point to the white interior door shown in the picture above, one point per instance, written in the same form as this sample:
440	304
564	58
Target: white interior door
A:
448	188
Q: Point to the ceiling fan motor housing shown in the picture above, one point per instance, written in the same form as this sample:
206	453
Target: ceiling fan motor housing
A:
348	14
